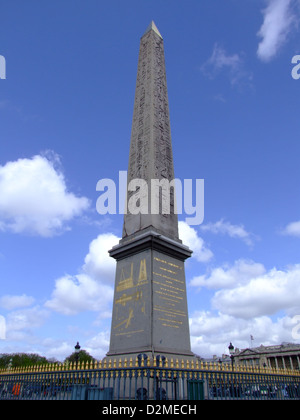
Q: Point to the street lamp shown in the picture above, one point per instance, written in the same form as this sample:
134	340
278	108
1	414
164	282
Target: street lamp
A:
77	349
231	352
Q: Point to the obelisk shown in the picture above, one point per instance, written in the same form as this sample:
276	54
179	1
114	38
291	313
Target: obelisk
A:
150	313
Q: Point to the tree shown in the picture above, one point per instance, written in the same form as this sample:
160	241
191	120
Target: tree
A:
21	360
81	356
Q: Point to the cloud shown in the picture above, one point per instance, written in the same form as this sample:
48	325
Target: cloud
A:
10	302
74	294
227	277
91	289
279	20
189	237
221	61
61	349
98	345
23	321
212	332
263	294
247	300
292	229
97	263
35	199
226	228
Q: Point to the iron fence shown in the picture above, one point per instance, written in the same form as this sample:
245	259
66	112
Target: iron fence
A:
144	380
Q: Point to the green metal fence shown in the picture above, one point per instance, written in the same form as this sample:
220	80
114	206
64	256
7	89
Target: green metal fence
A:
147	381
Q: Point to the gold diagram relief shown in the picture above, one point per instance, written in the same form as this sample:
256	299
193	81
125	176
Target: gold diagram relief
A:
143	273
126	321
125	283
128	298
136	304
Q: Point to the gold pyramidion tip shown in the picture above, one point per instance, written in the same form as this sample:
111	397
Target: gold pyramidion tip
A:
152	27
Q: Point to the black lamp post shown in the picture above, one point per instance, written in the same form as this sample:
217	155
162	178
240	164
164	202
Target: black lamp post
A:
231	351
77	349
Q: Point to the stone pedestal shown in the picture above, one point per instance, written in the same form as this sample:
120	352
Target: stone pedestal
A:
150	311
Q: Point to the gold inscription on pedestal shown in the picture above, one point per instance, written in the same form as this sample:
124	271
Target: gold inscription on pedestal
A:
169	288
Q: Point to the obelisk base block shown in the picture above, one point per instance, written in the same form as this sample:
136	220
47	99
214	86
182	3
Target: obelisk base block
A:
150	312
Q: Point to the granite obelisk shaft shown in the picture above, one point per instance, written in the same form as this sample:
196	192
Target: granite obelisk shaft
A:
150	154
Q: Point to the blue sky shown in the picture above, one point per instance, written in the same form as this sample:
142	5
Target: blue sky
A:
65	121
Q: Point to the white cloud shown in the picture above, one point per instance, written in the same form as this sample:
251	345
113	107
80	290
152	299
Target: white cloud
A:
279	20
97	263
92	288
227	277
98	345
292	229
226	228
10	302
61	349
34	197
189	237
263	294
24	320
74	294
221	61
211	332
248	300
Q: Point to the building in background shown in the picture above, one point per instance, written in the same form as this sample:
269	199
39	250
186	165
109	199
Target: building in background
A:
283	356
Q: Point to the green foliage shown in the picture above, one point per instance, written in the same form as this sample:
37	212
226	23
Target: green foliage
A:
21	360
83	356
16	360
